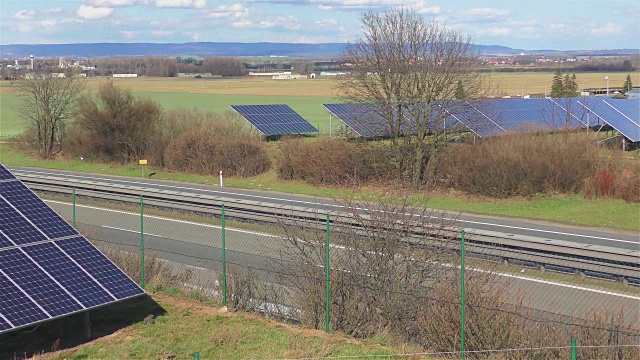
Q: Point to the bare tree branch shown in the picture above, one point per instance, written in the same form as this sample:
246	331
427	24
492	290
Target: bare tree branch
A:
411	69
48	103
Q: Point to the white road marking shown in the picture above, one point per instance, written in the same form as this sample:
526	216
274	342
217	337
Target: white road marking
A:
164	219
342	247
324	204
127	230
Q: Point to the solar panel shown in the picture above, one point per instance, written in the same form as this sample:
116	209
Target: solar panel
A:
370	120
630	108
364	119
31	207
274	119
497	117
5	174
47	269
472	117
605	110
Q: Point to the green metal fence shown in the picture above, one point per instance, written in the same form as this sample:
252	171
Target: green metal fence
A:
332	277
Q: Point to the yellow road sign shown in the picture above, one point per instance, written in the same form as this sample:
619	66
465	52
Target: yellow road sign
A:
143	162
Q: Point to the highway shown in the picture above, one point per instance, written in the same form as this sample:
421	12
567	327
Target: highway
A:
628	240
198	245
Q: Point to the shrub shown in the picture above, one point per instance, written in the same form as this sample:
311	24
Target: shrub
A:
114	126
496	319
617	178
334	162
202	151
523	164
204	143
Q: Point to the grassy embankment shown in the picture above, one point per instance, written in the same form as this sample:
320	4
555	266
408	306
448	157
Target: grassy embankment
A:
182	327
573	210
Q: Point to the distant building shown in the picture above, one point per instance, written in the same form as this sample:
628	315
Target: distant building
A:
633	93
198	75
124	75
270	74
334	73
288	77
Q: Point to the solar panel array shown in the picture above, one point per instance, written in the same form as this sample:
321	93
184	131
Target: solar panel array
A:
498	117
47	269
274	119
622	115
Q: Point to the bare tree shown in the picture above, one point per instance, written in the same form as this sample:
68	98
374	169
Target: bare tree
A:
411	69
384	261
48	103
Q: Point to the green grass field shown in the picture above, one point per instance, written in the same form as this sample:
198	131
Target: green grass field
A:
182	327
309	107
10	123
304	96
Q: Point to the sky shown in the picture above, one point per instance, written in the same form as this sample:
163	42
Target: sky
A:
522	24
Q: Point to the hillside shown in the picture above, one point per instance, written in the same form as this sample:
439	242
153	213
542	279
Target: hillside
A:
182	327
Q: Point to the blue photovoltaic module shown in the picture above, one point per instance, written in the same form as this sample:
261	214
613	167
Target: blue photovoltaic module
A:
47	269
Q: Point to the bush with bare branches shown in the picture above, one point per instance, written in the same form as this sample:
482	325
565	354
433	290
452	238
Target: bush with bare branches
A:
377	275
496	320
114	126
615	178
326	162
524	165
204	143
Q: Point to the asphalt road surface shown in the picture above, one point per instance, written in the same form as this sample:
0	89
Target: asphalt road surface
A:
584	235
198	245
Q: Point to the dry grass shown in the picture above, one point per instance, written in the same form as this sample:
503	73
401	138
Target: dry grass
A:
510	83
236	86
537	83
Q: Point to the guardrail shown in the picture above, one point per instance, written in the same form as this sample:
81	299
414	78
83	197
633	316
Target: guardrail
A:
547	254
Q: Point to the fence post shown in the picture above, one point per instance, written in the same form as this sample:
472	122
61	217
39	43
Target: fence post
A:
462	295
141	242
574	355
327	278
224	262
73	206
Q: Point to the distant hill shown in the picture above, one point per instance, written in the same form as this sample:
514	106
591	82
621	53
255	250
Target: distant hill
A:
228	49
171	49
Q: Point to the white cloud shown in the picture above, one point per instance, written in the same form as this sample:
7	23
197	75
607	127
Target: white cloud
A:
244	23
111	3
288	22
486	14
558	26
421	7
360	4
234	11
327	22
52	10
194	36
495	31
24	15
128	34
25	28
48	22
93	13
199	4
609	29
161	32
